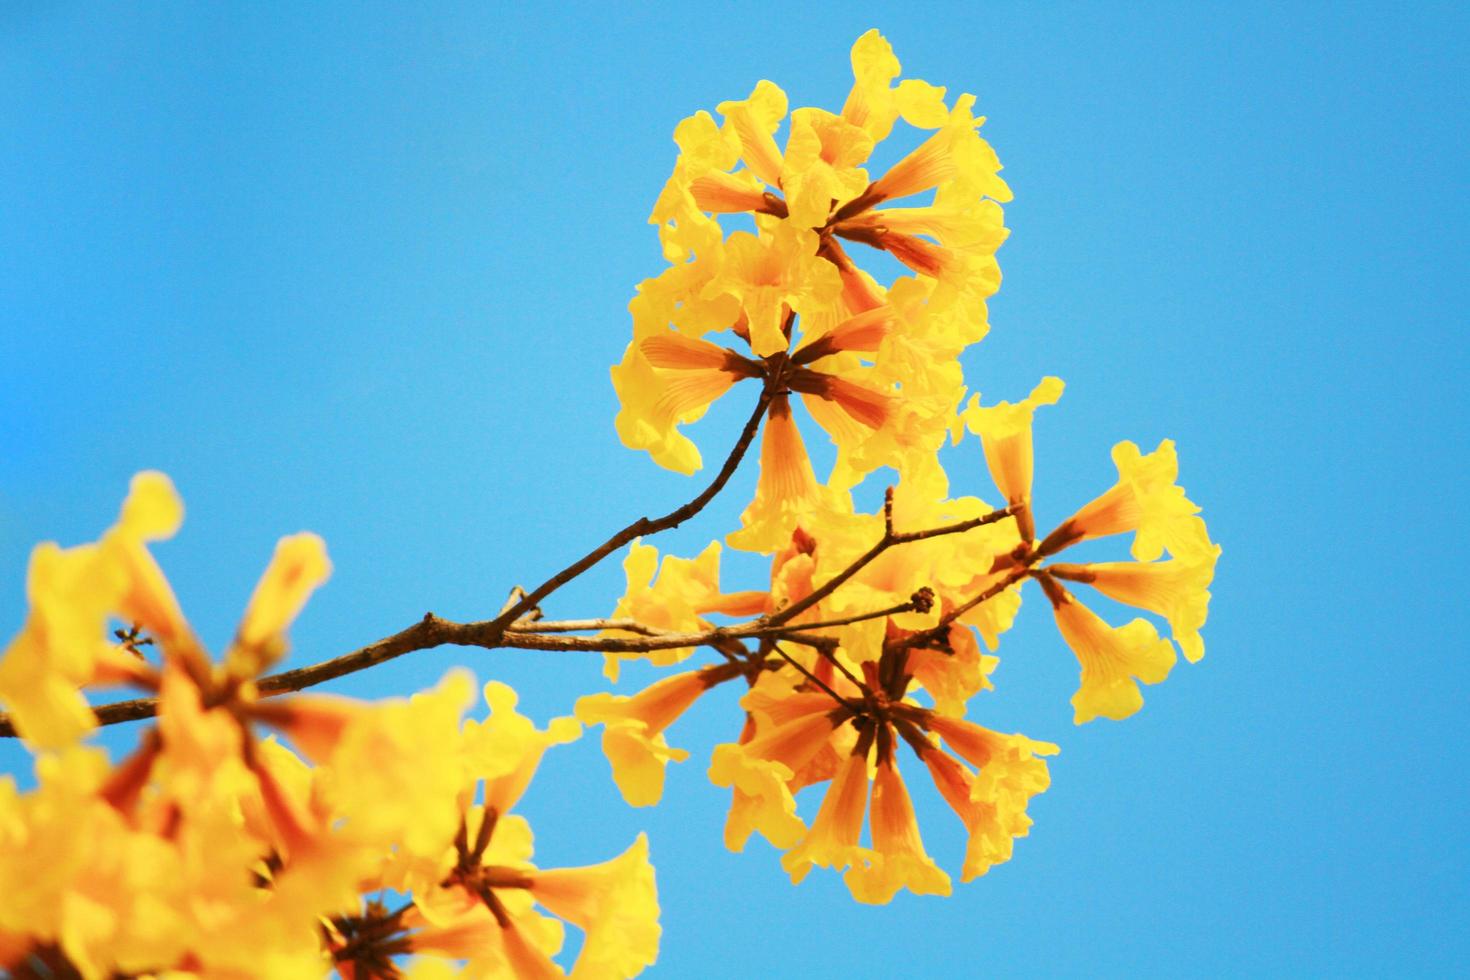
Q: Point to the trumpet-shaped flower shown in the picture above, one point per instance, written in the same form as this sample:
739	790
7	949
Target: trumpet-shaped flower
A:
833	840
632	737
1005	434
685	591
1146	500
486	909
898	861
1114	659
73	591
1177	589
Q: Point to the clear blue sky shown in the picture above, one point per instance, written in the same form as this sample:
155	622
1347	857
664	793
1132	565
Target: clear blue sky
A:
361	271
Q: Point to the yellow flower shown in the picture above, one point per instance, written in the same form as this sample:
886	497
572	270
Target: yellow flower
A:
706	152
74	873
151	512
1145	500
962	169
762	799
505	748
833	839
1113	659
953	677
752	121
787	493
1005	434
1177	589
991	802
791	731
396	772
772	276
875	103
298	567
633	739
685	590
615	904
953	567
822	164
484	911
899	860
666	380
886	396
73	591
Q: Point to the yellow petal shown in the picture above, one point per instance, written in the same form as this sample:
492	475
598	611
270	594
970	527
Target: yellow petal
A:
762	800
615	904
298	567
899	861
1005	434
1113	660
633	739
832	841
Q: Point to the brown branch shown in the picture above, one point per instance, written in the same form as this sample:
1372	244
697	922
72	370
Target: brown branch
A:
890	539
586	625
855	709
902	607
432	631
831	654
937	631
516	640
644	525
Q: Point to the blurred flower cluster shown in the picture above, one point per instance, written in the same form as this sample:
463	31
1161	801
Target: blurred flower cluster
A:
248	836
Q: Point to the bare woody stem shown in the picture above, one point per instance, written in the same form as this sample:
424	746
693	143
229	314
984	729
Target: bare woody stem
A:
644	525
890	539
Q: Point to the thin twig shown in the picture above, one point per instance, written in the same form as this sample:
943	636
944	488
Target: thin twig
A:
923	637
516	640
902	607
855	709
890	539
644	525
587	625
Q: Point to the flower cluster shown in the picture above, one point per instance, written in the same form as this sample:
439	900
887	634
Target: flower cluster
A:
218	849
259	830
874	622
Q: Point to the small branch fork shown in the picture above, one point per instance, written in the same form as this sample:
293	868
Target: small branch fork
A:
643	525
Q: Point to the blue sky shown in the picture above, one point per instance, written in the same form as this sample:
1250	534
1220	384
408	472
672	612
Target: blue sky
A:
362	271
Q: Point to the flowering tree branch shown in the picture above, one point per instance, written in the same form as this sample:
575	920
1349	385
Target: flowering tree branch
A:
846	653
434	631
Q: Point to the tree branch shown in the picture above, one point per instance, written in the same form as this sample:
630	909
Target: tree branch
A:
432	631
644	525
938	630
890	538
